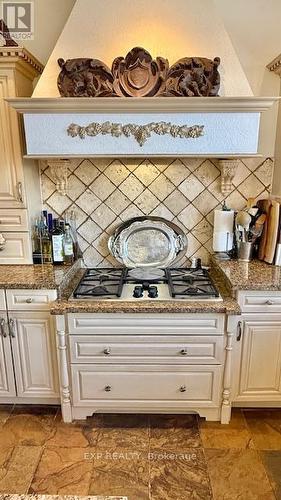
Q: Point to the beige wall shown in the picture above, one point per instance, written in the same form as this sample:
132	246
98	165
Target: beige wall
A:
253	27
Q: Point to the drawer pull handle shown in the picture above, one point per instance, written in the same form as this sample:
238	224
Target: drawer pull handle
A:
239	331
107	388
12	328
29	300
182	388
269	302
183	352
2	328
107	351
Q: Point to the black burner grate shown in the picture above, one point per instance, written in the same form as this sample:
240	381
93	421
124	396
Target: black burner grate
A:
188	282
101	282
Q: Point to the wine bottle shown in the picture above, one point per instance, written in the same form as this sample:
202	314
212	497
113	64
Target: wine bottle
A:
57	237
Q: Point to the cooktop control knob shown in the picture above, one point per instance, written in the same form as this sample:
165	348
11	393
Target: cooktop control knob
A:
153	292
138	292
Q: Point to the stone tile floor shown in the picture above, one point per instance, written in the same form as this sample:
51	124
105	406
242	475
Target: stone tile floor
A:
168	457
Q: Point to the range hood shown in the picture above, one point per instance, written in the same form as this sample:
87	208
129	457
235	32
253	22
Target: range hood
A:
141	104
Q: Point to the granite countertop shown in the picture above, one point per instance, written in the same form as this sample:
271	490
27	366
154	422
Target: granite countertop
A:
59	497
36	276
254	275
67	305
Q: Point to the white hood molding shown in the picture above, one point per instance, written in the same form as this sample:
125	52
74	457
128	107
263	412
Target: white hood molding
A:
230	126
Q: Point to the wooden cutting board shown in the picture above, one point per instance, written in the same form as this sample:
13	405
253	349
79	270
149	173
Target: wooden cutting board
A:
272	232
264	206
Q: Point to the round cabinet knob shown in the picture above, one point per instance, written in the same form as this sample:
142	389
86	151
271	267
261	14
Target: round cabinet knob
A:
183	352
107	351
182	388
269	302
29	300
107	388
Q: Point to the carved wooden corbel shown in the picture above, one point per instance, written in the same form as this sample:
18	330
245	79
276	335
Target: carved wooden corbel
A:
228	169
59	172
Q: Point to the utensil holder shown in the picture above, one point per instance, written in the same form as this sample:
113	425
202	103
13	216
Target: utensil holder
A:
245	251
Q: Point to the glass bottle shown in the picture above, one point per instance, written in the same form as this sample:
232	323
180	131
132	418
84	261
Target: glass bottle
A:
57	237
46	246
68	245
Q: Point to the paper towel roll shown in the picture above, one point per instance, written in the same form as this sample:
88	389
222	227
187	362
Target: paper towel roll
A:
223	221
222	241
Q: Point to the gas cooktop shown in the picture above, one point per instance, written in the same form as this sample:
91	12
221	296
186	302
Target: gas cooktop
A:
147	284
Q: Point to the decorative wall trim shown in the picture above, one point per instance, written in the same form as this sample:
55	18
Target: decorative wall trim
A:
139	75
140	132
228	170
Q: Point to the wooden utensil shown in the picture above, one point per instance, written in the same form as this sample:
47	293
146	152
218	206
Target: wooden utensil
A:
264	206
272	232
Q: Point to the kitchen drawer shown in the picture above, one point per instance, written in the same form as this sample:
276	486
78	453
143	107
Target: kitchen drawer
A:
13	219
259	301
2	300
145	324
198	384
17	249
146	349
30	300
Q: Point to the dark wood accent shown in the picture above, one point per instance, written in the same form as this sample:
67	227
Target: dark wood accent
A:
139	75
4	31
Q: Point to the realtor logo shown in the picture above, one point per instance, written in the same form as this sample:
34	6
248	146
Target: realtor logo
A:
19	17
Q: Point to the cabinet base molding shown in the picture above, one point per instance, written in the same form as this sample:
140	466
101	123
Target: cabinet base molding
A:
256	404
212	414
29	401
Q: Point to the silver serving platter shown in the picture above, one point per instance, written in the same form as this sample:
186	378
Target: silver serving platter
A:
147	242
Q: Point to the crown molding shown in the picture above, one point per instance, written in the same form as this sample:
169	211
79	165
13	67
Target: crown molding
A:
14	55
142	105
275	65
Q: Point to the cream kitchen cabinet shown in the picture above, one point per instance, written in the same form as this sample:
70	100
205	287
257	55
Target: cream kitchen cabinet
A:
140	363
257	351
18	69
29	371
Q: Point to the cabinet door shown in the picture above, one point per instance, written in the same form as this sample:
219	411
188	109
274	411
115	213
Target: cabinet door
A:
7	380
11	179
258	368
33	343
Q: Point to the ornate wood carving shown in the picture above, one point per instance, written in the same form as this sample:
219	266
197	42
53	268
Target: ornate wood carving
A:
139	75
5	33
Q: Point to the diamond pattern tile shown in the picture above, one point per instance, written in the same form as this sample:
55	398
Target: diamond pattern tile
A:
116	172
190	216
88	201
103	216
104	192
146	172
176	172
191	187
117	201
89	231
102	187
251	187
87	172
146	201
75	187
176	202
207	172
162	187
131	187
205	202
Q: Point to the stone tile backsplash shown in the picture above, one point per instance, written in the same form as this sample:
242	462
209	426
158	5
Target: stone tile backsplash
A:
105	192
